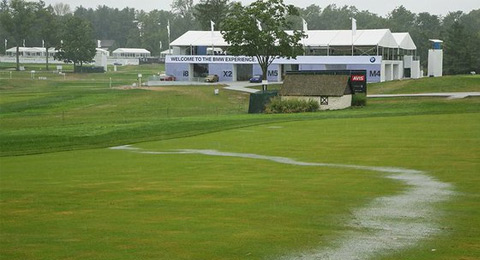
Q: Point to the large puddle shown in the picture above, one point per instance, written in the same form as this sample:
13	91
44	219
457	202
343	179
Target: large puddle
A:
390	223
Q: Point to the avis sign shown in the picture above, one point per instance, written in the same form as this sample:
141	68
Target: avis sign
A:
358	81
357	78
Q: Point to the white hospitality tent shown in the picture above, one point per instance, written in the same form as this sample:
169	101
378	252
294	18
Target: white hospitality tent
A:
380	37
405	43
131	53
31	51
200	38
341	42
318	42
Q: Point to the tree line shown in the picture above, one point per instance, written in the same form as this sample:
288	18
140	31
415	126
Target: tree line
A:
129	27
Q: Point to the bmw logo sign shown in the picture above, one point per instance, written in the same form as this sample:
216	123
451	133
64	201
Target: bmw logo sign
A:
372	59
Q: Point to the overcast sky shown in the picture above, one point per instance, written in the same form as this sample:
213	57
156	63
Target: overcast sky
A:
380	7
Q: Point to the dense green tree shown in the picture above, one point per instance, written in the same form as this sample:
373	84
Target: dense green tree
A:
62	9
3	33
78	45
401	20
426	27
334	18
17	20
368	20
258	30
154	30
211	10
311	14
48	27
450	19
183	8
183	18
461	37
460	50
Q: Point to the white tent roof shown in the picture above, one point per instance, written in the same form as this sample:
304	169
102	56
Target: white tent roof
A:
404	41
130	50
100	50
30	49
380	37
200	38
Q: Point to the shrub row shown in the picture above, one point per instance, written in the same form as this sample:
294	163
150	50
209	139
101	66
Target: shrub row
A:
89	69
277	105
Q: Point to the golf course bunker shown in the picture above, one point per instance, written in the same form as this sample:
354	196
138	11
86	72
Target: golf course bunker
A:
385	225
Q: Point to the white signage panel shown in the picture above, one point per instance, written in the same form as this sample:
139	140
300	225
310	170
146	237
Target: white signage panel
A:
224	59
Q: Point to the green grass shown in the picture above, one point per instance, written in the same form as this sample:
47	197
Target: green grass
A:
83	112
112	204
96	203
466	83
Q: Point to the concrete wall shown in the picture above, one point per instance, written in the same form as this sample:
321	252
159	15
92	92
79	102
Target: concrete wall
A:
182	71
435	63
391	70
407	61
416	73
225	72
334	103
274	73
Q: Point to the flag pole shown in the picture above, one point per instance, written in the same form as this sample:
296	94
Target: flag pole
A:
305	30
212	24
168	31
354	30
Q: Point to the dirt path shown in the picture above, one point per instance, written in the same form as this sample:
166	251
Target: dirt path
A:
387	224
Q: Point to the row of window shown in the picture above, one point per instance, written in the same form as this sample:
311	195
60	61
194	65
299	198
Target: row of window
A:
30	54
131	55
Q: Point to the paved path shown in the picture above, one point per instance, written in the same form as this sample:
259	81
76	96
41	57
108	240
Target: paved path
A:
450	95
242	86
245	86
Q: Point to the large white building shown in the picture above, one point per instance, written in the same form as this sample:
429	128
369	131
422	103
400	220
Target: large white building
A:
383	54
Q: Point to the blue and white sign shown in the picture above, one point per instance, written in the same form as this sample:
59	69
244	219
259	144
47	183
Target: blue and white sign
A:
224	59
223	65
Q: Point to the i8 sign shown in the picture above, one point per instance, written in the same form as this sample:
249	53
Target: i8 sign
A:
358	78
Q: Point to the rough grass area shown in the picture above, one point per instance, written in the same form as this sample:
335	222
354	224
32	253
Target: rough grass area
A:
466	83
57	115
